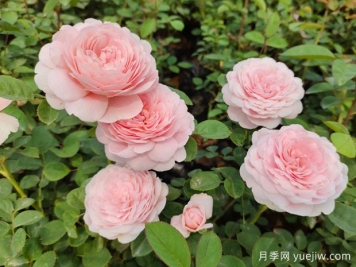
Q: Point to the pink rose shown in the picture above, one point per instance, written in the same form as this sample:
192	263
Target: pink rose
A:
120	201
95	70
261	91
194	216
155	138
294	170
7	123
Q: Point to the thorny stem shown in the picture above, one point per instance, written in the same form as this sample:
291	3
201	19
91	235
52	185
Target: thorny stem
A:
258	214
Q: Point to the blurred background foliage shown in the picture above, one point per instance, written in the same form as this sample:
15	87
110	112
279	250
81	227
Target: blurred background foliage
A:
195	44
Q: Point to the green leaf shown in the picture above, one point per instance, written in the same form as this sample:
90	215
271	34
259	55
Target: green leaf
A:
343	72
205	180
140	246
182	95
263	245
300	240
97	259
71	146
47	259
177	25
32	249
18	241
222	80
147	27
191	149
344	144
336	127
233	183
29	181
169	245
9	16
75	198
277	42
261	4
185	65
351	164
23	203
255	36
46	113
209	250
51	232
329	101
343	217
42	139
272	24
309	52
212	129
14	89
27	217
4	228
319	88
55	171
5	188
5	26
50	5
229	261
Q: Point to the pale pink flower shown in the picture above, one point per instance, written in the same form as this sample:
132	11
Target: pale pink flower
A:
95	70
119	202
261	91
194	216
8	123
294	170
155	138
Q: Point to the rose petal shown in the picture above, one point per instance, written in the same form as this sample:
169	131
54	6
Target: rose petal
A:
89	108
122	108
8	124
64	86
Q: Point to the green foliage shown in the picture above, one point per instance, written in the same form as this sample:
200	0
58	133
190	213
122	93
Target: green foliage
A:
209	250
169	245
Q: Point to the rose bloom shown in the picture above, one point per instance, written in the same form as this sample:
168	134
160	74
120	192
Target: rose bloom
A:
294	170
8	123
195	214
261	91
95	70
155	138
119	202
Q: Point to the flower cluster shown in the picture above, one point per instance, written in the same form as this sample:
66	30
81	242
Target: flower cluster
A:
290	169
101	72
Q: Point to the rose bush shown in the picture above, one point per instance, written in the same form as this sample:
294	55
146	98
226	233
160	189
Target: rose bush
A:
155	138
194	216
8	123
261	91
120	201
294	170
95	70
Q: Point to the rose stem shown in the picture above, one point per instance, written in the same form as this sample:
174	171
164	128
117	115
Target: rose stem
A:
260	210
350	112
7	174
227	207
